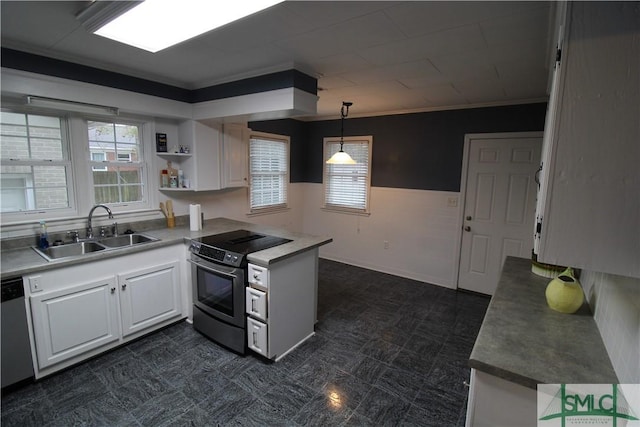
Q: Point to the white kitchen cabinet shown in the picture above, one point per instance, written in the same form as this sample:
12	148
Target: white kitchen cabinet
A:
497	402
82	310
287	288
202	167
149	296
218	155
72	321
235	155
589	204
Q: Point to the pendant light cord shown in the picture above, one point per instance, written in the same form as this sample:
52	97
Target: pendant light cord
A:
344	112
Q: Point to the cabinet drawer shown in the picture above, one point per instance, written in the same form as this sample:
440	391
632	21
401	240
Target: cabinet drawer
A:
259	276
257	303
257	336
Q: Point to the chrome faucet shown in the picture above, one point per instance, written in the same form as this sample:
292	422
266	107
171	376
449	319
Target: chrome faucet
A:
89	229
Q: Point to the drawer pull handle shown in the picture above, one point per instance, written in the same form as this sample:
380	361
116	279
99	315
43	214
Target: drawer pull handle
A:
255	340
253	306
113	290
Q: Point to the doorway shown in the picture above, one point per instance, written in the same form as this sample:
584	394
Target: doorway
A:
499	196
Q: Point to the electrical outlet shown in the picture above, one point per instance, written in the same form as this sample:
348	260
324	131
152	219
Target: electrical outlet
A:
452	202
386	244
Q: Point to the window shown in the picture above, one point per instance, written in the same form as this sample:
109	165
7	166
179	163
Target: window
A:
98	157
269	171
116	162
346	187
35	166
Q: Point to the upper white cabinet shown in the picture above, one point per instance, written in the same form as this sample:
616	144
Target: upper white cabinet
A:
217	159
203	167
589	201
235	155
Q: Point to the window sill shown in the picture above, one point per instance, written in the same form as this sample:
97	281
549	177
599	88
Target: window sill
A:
268	211
346	211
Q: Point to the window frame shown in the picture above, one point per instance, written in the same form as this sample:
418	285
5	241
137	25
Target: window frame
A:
142	164
273	208
67	162
327	142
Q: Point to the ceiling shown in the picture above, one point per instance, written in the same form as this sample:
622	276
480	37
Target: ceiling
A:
385	57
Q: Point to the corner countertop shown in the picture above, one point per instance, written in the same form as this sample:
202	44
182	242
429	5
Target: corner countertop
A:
23	261
524	341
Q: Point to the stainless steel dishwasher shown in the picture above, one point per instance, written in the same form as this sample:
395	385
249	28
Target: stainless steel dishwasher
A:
17	365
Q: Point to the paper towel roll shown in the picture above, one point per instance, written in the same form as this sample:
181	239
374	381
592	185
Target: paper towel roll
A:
195	222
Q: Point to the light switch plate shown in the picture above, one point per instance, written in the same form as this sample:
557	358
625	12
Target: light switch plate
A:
452	202
34	284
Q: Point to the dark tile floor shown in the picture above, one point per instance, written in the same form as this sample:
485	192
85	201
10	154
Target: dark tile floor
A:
387	351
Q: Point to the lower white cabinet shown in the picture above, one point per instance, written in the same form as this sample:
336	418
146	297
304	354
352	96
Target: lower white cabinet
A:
149	296
494	402
281	304
72	321
74	318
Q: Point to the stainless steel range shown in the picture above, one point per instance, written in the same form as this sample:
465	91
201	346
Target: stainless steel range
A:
219	276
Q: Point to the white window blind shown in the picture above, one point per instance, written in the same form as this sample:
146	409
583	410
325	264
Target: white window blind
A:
347	186
269	170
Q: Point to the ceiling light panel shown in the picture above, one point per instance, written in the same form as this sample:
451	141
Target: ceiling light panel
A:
154	25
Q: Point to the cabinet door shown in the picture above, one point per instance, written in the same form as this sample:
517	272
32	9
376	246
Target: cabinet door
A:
149	296
591	207
257	336
235	150
71	321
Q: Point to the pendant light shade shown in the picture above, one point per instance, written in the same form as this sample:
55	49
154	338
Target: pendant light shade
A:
342	158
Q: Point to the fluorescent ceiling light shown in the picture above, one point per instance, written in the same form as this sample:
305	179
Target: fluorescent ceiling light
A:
66	105
154	25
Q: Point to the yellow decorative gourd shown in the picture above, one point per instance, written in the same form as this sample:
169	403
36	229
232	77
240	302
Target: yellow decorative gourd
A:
564	293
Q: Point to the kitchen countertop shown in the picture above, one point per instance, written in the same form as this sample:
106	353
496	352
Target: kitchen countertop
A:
23	261
524	341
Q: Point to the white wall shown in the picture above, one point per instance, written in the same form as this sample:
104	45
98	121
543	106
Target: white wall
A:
422	231
615	301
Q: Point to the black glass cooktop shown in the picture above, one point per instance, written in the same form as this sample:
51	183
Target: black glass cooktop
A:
242	241
231	248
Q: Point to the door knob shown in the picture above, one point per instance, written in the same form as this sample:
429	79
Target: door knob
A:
124	286
467	228
469	218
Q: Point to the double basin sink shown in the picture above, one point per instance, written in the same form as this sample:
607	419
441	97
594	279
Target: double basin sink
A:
78	249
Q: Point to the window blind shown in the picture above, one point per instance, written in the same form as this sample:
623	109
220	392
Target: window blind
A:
269	162
347	186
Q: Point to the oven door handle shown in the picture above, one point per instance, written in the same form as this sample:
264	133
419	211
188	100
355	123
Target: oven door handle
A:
208	266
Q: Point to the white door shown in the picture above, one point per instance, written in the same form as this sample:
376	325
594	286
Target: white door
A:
499	206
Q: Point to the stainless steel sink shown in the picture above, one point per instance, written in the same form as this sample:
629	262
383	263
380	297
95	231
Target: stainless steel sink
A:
126	240
70	250
82	248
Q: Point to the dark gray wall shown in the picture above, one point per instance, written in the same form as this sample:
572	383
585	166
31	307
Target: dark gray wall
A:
418	151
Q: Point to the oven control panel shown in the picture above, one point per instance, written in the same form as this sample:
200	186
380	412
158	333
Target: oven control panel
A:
216	255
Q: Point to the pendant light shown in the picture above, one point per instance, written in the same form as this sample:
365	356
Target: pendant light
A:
342	158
